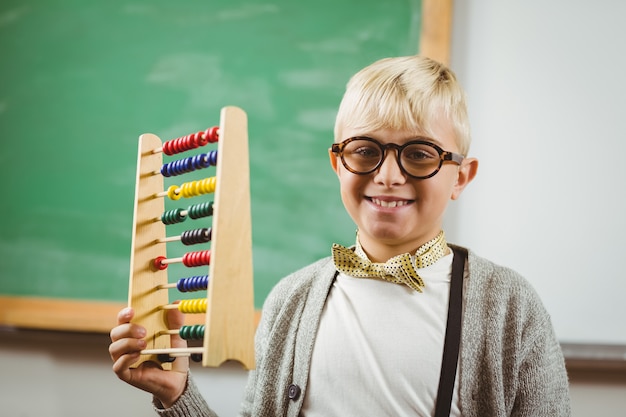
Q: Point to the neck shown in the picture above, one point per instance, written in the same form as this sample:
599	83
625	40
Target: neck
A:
378	251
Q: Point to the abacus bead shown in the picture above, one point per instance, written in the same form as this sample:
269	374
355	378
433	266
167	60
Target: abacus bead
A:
193	306
158	264
183	332
197	258
199	331
212	157
197	283
202	161
212	134
188	332
193	237
201	283
173	216
201	210
164	357
201	138
190	284
171	192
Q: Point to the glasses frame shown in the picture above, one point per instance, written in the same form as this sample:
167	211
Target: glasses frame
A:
444	156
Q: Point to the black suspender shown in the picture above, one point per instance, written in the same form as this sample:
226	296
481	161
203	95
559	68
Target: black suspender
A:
453	335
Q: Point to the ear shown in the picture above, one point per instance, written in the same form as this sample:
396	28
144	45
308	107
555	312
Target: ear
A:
333	160
467	172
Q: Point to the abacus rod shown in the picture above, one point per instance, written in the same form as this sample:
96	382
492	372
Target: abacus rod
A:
173	331
166	286
168	239
165	193
170	307
171	260
173	351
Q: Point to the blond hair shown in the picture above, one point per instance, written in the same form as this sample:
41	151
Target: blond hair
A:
410	92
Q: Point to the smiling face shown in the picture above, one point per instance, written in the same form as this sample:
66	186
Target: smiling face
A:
394	212
395	100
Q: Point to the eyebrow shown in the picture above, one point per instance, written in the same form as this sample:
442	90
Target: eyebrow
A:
411	139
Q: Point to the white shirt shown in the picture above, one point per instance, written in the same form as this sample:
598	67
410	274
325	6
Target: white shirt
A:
379	347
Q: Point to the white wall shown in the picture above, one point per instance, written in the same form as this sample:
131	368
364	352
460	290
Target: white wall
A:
69	375
546	87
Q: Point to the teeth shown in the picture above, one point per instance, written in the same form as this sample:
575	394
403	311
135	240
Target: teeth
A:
389	203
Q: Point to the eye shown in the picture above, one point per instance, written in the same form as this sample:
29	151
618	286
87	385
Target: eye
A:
420	152
364	150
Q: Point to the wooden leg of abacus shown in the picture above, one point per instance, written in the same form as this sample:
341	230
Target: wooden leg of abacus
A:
229	331
143	293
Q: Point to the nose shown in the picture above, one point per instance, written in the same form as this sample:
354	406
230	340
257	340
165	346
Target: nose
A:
389	171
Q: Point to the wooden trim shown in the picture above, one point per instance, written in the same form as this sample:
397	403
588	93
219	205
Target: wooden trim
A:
59	314
436	30
68	315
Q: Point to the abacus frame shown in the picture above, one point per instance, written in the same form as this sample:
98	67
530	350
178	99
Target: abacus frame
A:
229	319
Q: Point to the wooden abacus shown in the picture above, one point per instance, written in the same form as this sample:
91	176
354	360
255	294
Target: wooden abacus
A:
229	302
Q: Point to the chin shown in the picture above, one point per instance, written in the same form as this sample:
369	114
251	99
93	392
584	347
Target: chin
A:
386	234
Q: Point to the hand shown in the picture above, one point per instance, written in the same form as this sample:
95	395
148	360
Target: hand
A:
127	342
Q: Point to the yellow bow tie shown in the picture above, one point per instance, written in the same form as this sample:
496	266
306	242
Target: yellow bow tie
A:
400	269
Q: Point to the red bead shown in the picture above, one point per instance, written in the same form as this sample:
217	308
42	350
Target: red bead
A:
191	141
197	258
211	134
158	264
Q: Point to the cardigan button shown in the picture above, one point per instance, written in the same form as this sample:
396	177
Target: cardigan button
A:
293	392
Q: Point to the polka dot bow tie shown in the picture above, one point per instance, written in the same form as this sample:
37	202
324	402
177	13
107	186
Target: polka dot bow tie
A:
400	269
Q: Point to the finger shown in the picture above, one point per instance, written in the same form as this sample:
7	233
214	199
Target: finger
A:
124	357
175	319
125	315
126	346
127	330
122	365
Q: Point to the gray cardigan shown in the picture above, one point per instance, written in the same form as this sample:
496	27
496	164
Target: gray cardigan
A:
510	361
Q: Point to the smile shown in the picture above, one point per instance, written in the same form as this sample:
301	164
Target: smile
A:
390	204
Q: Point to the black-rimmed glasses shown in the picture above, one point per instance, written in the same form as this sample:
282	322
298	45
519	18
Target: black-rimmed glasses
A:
418	158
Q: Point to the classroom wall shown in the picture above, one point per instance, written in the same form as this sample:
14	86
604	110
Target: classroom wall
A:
66	374
545	84
545	90
69	375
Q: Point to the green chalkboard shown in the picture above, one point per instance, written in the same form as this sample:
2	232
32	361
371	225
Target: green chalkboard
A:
80	81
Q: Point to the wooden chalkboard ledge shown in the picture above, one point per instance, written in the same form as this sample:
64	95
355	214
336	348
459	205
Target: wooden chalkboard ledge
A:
58	314
68	315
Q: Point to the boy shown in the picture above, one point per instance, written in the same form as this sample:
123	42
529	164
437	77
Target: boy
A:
336	340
